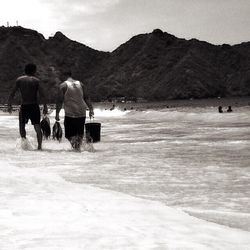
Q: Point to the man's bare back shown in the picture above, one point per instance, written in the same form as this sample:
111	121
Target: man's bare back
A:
29	88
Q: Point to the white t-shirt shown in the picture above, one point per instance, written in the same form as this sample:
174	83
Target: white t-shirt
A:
74	104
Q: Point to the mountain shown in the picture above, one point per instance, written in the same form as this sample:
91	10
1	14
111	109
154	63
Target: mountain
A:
154	66
19	46
159	66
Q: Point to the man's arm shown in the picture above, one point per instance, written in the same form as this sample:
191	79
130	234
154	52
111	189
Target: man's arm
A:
87	101
60	98
11	96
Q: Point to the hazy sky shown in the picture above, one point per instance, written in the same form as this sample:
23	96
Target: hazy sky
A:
106	24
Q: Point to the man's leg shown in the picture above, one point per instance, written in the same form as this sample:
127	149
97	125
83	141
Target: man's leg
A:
39	135
75	142
80	130
35	117
78	142
72	141
22	130
78	138
71	132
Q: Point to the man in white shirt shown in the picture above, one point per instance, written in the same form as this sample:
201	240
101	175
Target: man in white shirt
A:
73	95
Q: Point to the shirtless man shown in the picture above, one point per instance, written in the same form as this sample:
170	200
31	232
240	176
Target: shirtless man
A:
29	87
73	95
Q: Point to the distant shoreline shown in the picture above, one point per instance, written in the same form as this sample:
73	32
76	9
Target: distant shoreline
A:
209	102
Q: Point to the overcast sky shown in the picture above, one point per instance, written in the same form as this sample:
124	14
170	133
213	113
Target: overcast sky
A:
106	24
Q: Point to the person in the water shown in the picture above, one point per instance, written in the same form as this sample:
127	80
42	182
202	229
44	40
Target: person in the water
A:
229	109
220	109
113	107
30	88
73	95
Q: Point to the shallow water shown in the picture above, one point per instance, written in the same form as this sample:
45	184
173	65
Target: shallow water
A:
193	159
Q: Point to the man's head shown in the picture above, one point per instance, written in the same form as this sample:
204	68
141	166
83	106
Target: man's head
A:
30	69
65	75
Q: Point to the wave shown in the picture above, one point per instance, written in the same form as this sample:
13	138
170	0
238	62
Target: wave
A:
98	113
192	114
227	218
187	114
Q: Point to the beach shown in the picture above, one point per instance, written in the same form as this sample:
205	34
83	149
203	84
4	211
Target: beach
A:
161	178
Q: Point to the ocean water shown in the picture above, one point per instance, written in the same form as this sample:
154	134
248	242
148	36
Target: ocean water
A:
191	159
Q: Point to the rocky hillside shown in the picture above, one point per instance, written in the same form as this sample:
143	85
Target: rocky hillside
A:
19	46
159	66
154	66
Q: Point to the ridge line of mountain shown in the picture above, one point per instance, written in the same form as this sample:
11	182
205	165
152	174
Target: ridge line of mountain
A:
153	66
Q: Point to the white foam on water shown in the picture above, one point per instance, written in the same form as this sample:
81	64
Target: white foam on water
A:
116	112
25	143
88	146
99	113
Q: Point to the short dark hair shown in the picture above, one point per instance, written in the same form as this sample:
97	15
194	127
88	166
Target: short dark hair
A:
30	69
67	73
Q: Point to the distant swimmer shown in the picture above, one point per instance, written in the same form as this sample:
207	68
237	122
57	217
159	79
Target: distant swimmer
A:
29	87
113	107
229	109
220	109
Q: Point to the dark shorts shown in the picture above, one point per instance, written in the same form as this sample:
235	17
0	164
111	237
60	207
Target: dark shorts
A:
74	126
30	112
